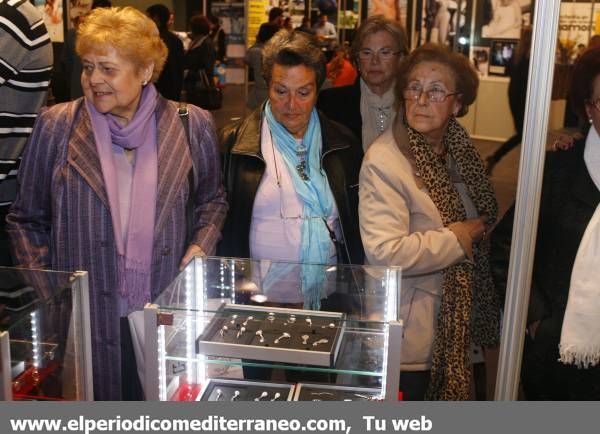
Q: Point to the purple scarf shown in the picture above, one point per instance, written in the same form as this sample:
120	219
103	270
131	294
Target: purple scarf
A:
134	253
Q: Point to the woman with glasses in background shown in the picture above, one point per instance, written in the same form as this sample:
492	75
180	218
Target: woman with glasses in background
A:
425	205
367	107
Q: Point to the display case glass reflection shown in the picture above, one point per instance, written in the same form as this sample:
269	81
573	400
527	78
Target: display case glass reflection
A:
245	320
45	348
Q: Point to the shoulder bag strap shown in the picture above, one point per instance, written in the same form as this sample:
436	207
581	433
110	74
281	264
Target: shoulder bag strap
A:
184	115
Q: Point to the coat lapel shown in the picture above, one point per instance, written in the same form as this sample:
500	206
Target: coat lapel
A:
82	155
174	159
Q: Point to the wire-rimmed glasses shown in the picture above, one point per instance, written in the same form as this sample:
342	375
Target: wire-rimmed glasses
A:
434	94
382	54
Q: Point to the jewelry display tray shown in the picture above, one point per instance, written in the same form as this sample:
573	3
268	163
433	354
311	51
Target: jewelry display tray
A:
248	390
296	348
329	392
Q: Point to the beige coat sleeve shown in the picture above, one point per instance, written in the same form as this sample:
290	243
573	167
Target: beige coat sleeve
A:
399	223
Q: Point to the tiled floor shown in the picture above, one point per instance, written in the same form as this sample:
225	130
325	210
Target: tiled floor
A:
504	176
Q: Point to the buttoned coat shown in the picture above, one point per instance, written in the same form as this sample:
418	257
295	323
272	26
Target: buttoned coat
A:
61	219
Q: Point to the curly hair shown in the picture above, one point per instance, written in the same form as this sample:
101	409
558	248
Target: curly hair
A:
586	69
131	33
292	49
465	77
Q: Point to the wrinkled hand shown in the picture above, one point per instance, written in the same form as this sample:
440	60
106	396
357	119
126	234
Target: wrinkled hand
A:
193	250
477	228
562	140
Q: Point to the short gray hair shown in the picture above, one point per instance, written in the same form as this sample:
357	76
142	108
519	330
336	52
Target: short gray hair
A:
374	24
292	49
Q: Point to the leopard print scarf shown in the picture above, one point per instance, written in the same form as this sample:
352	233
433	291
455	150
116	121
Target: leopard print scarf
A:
469	307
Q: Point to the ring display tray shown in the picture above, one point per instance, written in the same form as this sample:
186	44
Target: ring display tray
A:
330	392
273	334
218	389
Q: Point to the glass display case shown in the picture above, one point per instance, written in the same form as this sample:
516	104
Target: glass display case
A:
45	346
237	329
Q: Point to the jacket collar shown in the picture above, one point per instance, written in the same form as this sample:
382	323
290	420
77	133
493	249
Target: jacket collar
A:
248	142
173	154
82	154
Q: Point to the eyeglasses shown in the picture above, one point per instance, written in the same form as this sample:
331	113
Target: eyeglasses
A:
595	103
433	95
382	54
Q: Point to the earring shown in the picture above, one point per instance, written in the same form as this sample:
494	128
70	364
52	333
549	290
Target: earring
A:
590	120
144	83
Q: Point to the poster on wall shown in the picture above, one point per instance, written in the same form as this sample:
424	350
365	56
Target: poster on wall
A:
501	19
480	56
52	12
392	9
501	55
349	18
291	8
258	13
443	22
233	24
76	9
577	21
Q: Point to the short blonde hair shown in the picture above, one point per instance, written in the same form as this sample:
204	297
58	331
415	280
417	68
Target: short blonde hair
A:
375	24
131	33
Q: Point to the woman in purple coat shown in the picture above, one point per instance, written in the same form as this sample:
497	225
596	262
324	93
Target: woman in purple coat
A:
110	184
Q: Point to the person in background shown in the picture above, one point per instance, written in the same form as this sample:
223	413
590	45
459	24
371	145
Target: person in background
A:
253	59
25	69
426	205
217	35
325	31
562	320
572	120
201	53
369	104
200	57
170	81
70	62
305	26
287	24
517	96
111	184
340	71
328	7
290	173
276	17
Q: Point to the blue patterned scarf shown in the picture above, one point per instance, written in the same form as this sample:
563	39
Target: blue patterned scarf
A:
316	197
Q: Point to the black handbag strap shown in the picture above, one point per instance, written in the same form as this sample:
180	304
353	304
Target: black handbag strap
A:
184	115
205	80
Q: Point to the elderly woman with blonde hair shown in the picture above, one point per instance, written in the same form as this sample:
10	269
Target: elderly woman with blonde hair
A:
112	183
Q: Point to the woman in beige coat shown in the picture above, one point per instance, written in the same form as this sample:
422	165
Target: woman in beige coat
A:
425	205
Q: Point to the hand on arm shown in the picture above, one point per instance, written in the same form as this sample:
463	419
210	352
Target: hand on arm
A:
563	139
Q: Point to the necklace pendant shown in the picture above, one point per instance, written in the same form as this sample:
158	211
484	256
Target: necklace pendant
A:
301	169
